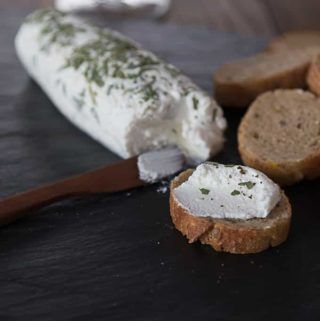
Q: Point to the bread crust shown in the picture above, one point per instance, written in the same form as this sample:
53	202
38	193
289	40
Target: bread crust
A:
313	76
284	174
233	236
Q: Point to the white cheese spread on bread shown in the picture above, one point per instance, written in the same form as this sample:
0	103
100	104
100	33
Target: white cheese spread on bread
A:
123	96
228	192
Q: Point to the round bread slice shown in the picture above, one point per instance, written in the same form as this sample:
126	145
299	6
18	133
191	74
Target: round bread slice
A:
238	83
295	40
313	77
231	235
280	135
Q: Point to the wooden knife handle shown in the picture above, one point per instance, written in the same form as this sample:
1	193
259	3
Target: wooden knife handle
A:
117	177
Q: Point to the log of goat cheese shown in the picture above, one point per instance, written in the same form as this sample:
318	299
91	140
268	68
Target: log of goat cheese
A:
123	96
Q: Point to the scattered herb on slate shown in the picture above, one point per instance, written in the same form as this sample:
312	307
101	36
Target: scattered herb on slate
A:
235	192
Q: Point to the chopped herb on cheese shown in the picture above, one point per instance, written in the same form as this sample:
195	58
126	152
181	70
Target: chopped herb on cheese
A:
195	102
204	191
242	171
107	54
248	184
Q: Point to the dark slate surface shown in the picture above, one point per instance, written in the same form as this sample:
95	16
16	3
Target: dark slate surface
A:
117	257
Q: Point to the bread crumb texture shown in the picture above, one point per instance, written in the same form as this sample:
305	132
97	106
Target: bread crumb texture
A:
280	135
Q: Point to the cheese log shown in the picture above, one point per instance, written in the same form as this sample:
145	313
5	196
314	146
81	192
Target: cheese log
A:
123	96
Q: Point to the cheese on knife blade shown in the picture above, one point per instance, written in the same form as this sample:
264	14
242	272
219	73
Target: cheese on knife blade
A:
121	95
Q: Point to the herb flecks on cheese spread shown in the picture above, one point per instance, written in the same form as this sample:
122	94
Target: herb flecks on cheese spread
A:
228	192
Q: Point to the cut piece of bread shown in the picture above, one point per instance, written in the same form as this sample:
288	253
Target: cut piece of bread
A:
280	135
231	235
238	83
295	40
313	77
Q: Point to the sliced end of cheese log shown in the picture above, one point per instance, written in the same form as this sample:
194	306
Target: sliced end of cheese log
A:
231	235
280	136
120	94
238	83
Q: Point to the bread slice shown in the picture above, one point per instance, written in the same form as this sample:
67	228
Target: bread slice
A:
280	135
295	40
231	235
238	83
313	77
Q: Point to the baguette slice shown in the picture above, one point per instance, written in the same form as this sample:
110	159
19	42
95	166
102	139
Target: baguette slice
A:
295	40
280	136
238	83
230	235
313	77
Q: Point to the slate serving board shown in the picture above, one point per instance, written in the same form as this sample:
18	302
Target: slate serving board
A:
118	257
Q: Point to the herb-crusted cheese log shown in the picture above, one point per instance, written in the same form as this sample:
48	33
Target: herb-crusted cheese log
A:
121	95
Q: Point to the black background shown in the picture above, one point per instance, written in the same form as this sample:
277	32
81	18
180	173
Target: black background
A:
118	257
